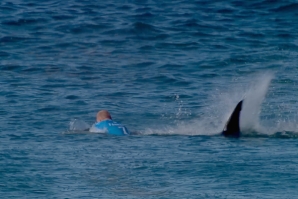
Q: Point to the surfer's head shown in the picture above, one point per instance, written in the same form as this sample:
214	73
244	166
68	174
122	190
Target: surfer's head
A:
103	115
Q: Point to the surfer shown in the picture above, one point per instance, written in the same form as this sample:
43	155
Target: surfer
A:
105	124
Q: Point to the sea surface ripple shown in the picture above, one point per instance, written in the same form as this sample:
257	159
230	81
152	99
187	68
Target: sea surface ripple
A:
171	71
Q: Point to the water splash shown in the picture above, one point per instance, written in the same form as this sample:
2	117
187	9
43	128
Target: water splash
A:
93	129
219	107
251	109
78	125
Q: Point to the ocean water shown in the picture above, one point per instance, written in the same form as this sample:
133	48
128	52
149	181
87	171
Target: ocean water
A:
172	72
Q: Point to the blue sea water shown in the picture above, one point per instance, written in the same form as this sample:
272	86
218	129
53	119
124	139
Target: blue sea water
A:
172	72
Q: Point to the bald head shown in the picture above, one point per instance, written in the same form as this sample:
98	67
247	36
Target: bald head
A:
103	115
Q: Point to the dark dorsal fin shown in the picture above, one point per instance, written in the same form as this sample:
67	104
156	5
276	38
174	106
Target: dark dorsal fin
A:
232	128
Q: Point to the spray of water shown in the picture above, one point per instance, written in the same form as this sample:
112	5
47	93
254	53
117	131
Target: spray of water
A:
78	125
251	109
221	104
